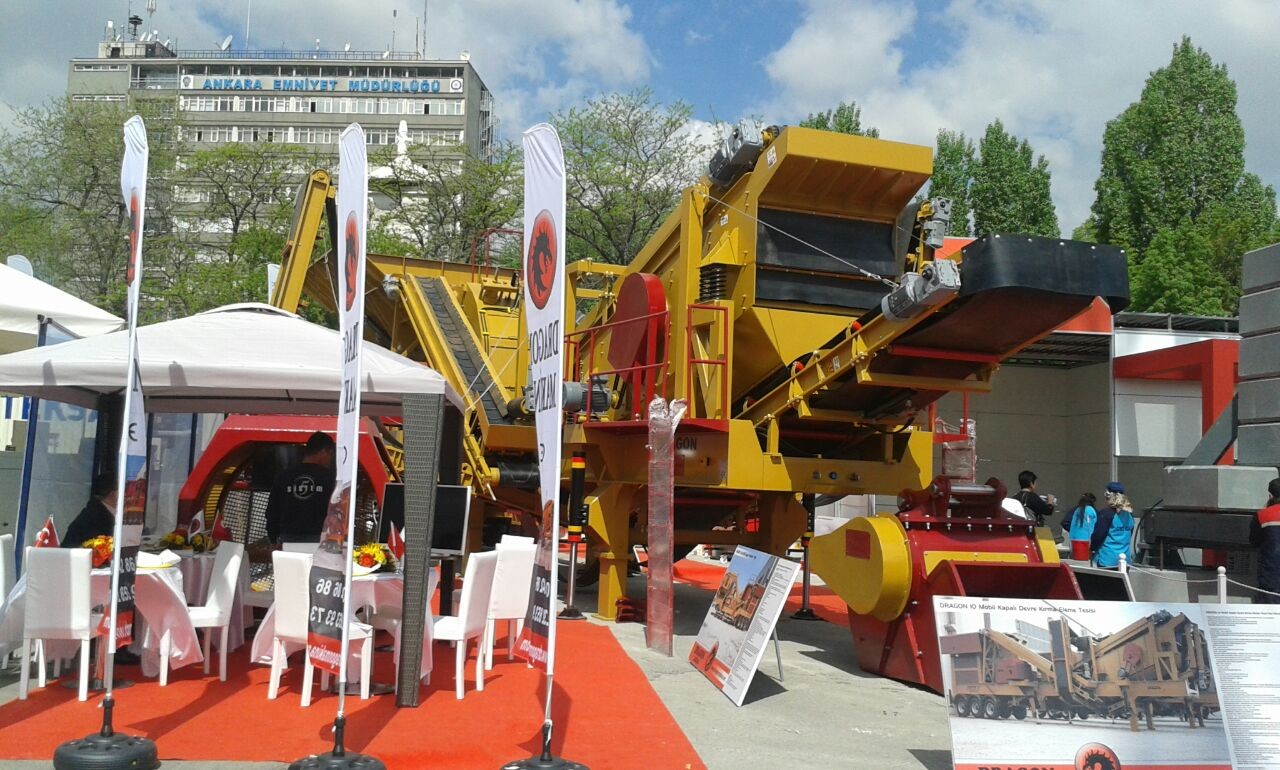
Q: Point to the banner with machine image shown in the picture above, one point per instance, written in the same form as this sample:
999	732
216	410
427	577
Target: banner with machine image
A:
1110	685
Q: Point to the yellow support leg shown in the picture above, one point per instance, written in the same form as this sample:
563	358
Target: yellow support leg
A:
609	514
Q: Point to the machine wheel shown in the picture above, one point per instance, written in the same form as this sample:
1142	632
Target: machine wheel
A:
990	709
961	702
1019	711
1004	707
1081	714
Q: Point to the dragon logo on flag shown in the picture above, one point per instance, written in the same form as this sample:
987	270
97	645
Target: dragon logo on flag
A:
540	265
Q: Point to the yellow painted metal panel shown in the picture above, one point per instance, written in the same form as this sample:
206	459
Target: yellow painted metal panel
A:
867	563
934	558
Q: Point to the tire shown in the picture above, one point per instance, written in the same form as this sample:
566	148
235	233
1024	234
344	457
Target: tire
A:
1081	714
1019	711
1003	708
990	709
961	703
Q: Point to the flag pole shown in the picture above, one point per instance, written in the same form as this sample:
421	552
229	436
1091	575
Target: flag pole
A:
544	304
106	748
329	616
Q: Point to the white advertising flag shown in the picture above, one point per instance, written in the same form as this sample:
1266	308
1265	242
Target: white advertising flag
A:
544	194
131	467
327	637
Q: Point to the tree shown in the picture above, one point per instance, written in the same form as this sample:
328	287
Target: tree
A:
953	166
846	118
1176	275
236	201
1010	191
628	159
60	196
443	200
1173	164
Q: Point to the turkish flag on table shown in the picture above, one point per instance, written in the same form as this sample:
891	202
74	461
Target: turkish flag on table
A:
395	542
47	537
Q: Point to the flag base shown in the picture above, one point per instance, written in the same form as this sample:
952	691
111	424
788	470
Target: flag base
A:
348	760
107	749
106	752
804	613
544	763
571	613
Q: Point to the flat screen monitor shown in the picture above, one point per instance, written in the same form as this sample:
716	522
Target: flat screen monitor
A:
449	527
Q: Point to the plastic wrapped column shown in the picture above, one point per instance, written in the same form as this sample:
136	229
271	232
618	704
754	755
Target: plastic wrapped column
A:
664	417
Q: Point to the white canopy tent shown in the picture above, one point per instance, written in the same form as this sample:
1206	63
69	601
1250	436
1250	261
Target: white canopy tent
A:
24	299
250	359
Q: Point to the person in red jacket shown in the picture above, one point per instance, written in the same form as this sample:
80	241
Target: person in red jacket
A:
1265	536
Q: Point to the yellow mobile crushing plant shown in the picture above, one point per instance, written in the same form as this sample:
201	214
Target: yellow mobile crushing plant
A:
792	298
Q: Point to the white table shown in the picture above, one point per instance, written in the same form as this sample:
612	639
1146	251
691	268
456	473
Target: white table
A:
377	591
159	602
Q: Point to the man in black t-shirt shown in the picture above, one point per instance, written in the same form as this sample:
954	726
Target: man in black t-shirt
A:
300	496
1031	501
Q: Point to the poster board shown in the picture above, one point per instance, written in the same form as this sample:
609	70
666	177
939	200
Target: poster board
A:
741	619
1203	677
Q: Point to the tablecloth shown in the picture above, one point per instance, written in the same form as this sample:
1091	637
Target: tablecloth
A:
159	600
378	591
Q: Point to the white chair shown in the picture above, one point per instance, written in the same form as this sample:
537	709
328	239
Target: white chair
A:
57	607
471	619
509	599
293	608
307	548
216	611
7	579
508	539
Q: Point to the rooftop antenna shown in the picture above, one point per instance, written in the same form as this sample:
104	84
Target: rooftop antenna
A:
151	10
135	21
346	47
424	29
317	44
386	53
111	30
393	29
225	44
248	12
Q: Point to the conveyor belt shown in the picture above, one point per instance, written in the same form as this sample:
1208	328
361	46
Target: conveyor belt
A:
1014	289
464	350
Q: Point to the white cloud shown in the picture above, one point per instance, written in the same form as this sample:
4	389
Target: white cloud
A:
536	57
1054	73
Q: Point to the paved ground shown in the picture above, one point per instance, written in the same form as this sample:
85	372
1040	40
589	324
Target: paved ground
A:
825	713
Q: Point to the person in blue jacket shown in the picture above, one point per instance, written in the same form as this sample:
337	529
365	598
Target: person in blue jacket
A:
1113	531
1080	526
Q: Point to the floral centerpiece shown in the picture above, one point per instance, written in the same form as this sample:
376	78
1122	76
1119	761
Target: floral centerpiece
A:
199	542
101	546
374	557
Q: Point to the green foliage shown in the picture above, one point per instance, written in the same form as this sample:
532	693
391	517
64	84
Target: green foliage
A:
846	118
1176	275
1173	168
953	164
444	199
60	201
1010	191
628	158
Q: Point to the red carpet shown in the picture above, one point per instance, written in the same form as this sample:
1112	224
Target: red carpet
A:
607	715
822	600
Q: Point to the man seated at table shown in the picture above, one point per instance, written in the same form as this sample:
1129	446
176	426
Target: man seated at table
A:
300	496
98	517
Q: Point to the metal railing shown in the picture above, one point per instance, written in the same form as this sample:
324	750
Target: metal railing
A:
641	381
722	362
305	54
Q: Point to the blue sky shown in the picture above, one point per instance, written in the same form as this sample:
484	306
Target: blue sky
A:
1053	72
